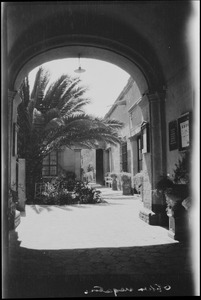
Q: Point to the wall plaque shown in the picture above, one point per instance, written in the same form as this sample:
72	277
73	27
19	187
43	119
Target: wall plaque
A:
184	131
173	135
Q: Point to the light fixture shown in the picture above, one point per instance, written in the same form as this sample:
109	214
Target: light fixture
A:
79	70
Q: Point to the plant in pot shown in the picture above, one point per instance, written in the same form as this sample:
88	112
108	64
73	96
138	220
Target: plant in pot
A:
126	183
138	182
13	208
175	192
114	181
182	178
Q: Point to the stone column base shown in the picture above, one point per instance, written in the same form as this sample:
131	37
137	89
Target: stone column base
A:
17	219
21	205
153	218
178	228
171	234
148	216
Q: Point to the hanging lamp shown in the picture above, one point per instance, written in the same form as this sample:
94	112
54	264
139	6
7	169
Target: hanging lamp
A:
79	70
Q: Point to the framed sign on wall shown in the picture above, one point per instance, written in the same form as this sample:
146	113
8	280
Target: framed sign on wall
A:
173	135
184	131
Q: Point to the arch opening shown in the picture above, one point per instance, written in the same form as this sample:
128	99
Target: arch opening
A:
109	56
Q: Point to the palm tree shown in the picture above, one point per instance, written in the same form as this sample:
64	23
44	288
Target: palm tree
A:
52	117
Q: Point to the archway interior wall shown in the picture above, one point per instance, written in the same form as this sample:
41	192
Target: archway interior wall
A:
178	103
119	59
91	52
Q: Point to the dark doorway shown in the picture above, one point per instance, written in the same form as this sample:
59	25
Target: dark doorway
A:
99	166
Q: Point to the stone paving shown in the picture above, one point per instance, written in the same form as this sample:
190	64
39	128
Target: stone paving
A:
66	251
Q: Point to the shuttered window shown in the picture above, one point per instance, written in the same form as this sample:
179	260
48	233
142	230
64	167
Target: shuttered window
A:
124	156
139	148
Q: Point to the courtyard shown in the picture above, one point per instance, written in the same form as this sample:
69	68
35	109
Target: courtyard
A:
88	250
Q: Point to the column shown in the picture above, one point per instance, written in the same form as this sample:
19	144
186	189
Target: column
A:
11	96
158	153
157	136
13	147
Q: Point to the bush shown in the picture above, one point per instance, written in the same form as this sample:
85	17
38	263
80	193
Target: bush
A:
182	169
138	181
174	194
126	177
69	184
85	194
164	183
79	193
113	175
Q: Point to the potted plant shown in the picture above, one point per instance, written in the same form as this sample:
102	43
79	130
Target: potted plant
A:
174	195
126	183
138	183
13	212
114	181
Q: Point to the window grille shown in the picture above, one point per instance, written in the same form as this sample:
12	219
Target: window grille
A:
50	164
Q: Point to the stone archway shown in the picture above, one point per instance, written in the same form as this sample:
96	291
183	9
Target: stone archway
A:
153	97
145	38
60	35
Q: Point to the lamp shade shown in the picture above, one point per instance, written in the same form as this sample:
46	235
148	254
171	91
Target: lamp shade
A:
79	70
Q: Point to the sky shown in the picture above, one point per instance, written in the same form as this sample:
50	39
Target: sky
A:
105	81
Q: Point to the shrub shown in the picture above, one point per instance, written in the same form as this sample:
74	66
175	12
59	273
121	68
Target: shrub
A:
126	177
174	194
69	192
138	181
66	198
69	184
113	175
182	169
85	194
164	183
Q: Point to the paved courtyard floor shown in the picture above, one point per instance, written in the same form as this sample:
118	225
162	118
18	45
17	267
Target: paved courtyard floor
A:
91	250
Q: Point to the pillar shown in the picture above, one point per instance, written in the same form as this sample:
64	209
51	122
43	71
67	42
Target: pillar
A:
11	96
14	215
13	145
155	205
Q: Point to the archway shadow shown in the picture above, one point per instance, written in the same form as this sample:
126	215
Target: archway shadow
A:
156	270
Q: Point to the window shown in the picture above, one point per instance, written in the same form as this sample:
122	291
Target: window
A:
50	164
124	157
139	150
145	137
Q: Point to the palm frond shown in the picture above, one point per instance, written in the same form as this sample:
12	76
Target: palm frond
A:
74	105
25	92
52	126
40	84
82	129
51	114
38	119
55	91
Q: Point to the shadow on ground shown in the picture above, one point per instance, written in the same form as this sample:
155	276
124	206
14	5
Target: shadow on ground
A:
160	270
48	208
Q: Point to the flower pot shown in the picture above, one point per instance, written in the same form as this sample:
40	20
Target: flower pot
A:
126	183
178	225
126	187
114	184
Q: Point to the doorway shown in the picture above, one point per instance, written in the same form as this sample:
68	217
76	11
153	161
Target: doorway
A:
99	166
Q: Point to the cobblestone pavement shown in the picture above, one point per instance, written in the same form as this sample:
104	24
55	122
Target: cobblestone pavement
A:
67	251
